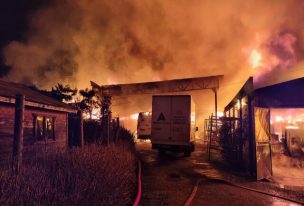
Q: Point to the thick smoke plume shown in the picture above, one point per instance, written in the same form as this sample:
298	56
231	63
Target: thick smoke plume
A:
127	41
122	41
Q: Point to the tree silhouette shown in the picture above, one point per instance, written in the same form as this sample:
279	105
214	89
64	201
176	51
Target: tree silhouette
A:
89	101
63	92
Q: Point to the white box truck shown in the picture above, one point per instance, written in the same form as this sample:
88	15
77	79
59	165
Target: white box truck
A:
173	123
144	125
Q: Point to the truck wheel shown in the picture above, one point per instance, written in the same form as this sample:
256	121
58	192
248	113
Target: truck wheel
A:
161	151
187	153
192	147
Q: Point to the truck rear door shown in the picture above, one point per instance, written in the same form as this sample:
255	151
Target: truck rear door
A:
180	118
161	118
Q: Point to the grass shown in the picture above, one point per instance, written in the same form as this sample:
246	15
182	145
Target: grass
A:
95	175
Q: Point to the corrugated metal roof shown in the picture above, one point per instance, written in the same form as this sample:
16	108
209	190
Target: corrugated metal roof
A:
10	90
281	95
288	94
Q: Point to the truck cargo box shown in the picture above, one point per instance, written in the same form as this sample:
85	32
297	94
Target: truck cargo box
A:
173	123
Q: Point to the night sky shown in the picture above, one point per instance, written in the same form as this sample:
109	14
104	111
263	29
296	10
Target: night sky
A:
14	15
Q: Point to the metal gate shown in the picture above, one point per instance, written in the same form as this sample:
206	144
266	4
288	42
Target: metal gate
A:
211	135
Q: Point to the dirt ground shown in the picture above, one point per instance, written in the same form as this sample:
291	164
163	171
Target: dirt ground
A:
169	179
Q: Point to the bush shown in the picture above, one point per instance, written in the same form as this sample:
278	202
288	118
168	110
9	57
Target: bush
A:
231	143
126	138
92	134
91	131
95	175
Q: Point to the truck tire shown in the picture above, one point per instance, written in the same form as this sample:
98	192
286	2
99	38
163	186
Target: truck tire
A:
187	152
161	151
192	147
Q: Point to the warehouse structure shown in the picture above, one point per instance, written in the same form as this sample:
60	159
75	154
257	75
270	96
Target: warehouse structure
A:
266	127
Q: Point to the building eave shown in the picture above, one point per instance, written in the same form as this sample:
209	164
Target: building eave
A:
11	100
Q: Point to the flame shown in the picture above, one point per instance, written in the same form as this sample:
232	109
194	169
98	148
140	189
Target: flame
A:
134	116
111	81
244	103
220	114
279	119
192	116
292	127
288	119
255	59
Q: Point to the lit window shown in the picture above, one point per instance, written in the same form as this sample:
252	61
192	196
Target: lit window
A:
39	129
49	128
44	128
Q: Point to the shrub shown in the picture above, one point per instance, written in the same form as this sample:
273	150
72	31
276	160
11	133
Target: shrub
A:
91	131
94	175
231	143
92	134
126	138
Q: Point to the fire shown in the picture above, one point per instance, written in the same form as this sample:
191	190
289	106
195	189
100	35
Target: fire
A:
255	59
244	103
289	119
131	117
111	81
220	114
279	119
134	116
292	127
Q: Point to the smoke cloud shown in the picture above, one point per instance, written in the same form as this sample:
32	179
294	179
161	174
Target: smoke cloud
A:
123	41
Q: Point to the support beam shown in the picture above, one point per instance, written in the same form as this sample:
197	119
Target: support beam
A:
167	86
215	101
18	133
241	130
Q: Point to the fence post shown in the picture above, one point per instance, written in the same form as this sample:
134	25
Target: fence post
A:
80	127
117	128
18	133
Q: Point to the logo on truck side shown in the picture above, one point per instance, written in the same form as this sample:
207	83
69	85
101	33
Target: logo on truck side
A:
161	117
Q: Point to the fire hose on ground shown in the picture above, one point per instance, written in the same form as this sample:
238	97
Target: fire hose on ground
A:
138	196
195	188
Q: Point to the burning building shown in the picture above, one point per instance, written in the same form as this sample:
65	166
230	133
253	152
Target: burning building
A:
45	120
269	122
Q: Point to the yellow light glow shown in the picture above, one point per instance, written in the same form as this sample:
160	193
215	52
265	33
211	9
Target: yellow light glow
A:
134	116
192	116
279	119
255	59
292	127
220	114
244	103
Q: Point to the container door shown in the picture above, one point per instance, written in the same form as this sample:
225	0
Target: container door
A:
263	146
180	117
161	110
